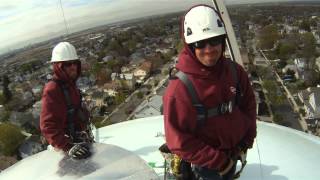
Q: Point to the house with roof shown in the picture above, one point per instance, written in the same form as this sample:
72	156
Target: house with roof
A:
300	63
311	100
150	107
97	98
128	78
293	68
318	64
126	69
21	119
107	58
143	71
84	83
111	88
30	146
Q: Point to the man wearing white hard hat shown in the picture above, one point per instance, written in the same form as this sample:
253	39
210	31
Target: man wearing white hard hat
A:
209	106
64	120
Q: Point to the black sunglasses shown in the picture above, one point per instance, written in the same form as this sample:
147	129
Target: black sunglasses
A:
214	41
70	63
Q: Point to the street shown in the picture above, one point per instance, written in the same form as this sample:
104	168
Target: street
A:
289	109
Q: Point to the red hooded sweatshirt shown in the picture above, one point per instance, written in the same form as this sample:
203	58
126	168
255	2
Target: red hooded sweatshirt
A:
211	144
53	117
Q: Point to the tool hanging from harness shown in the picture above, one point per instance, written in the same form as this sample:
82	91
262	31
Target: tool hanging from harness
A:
76	136
204	113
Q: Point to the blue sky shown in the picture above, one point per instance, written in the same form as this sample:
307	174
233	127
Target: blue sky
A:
24	21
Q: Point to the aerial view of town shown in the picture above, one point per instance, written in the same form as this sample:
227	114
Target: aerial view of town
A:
126	65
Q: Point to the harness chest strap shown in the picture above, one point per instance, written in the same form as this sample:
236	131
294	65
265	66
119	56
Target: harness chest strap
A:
202	112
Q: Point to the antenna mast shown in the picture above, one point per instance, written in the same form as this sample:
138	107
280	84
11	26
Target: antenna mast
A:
231	38
64	19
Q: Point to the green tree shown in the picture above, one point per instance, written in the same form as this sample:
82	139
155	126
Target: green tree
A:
179	45
27	67
114	64
309	49
96	68
274	94
6	91
140	95
132	45
10	139
284	50
305	25
116	45
2	99
101	55
277	118
120	98
268	36
290	72
263	72
4	115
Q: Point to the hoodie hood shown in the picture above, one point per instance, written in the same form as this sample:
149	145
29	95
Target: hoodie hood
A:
189	64
60	74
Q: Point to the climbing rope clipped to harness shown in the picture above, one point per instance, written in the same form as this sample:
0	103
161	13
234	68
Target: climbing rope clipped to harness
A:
242	157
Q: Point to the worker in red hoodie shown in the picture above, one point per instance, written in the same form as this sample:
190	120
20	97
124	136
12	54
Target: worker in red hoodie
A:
209	106
64	120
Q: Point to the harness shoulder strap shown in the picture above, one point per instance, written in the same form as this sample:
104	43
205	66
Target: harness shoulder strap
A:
201	110
234	71
184	78
70	107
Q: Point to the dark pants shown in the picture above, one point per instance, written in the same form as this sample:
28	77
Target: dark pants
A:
202	173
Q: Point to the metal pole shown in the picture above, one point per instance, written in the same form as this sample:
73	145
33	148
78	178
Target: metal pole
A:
231	38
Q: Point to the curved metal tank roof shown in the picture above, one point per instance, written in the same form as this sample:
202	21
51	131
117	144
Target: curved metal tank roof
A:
279	153
108	162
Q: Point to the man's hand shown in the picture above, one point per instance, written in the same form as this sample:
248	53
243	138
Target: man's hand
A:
79	151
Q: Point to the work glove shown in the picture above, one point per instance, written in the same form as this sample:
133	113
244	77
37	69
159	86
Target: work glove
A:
79	151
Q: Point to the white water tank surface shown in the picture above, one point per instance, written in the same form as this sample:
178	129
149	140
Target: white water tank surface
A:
279	153
107	162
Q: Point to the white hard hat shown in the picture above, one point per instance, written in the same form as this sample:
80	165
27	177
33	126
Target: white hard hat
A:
64	51
202	22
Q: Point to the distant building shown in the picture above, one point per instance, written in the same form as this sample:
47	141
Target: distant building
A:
300	63
21	118
311	99
151	107
143	71
128	78
30	146
98	98
111	88
107	58
290	67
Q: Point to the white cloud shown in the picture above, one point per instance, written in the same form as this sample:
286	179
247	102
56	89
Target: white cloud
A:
24	20
37	18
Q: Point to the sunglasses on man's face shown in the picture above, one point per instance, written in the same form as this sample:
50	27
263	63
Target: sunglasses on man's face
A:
211	41
70	63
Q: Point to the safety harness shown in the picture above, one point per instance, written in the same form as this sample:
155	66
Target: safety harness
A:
204	113
71	111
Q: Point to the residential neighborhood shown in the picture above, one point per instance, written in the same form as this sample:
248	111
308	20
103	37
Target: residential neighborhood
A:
126	70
